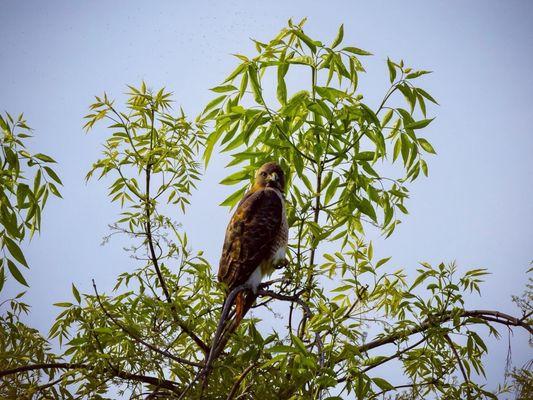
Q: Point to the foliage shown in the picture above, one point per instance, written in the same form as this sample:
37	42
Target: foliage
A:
522	384
347	314
26	181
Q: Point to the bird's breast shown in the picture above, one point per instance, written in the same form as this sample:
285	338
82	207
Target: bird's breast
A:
279	247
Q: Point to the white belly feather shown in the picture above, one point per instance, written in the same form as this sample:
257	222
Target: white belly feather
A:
255	279
257	276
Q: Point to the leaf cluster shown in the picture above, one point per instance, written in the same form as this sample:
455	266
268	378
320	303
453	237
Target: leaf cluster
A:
26	182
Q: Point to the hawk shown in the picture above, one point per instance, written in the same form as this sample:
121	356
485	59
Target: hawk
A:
256	237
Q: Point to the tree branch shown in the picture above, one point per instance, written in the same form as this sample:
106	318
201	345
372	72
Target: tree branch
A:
395	355
460	363
487	315
164	383
238	382
155	262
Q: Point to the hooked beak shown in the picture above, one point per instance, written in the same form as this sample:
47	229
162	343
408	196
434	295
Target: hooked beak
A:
273	177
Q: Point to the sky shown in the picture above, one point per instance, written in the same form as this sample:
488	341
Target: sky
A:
475	208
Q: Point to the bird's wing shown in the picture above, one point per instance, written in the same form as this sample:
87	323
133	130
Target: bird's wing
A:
250	236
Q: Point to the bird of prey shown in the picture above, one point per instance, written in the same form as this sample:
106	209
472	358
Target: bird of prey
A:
256	237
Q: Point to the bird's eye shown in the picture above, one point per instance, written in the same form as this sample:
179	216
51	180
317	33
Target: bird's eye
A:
263	174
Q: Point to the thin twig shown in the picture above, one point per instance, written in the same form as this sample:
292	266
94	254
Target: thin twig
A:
154	259
140	340
460	363
49	384
238	382
487	315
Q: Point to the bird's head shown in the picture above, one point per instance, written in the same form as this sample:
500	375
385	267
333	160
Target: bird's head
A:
270	175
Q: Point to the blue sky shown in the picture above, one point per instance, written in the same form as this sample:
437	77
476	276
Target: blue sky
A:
475	208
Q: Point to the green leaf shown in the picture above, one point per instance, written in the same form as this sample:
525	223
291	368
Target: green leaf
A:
281	91
240	68
54	190
339	37
210	145
419	124
382	261
37	181
408	94
15	251
234	198
213	103
51	173
22	191
364	156
424	167
387	117
392	70
342	288
419	279
372	116
426	145
330	93
44	157
332	188
416	74
256	86
235	178
299	344
104	330
63	304
382	384
223	88
76	294
306	39
397	149
15	272
426	95
366	208
355	50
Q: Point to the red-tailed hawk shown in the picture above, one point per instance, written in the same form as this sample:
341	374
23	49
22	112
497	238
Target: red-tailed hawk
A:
256	236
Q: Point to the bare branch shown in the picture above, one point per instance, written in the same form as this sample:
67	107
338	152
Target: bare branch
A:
460	363
164	383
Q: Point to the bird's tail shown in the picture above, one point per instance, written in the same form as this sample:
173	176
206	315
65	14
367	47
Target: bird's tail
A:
243	303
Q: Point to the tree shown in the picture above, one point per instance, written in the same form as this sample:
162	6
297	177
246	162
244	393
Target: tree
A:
349	167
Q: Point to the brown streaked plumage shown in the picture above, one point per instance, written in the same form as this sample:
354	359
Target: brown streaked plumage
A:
256	236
